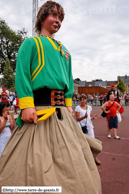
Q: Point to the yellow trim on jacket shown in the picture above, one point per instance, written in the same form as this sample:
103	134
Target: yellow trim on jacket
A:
53	44
68	101
39	67
26	102
39	57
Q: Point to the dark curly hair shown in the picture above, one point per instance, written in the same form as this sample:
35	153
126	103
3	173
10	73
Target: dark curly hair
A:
44	11
2	106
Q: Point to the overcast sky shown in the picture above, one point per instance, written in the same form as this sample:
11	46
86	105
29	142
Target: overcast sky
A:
96	33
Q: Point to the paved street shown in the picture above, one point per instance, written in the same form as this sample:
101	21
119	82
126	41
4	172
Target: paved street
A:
114	170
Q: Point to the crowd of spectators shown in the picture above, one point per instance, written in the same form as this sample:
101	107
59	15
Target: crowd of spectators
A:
126	98
92	99
97	99
12	99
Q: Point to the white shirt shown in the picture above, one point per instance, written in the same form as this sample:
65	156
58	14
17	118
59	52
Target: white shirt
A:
11	98
87	121
14	102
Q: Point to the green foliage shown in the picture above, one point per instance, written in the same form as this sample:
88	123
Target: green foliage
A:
13	89
8	80
97	80
121	86
77	79
10	42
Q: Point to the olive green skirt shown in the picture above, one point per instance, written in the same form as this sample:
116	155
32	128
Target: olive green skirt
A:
53	152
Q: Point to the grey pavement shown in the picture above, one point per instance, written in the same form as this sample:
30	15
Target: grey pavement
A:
114	168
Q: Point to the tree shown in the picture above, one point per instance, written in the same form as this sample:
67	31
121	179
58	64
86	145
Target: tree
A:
121	86
97	80
77	79
10	42
8	80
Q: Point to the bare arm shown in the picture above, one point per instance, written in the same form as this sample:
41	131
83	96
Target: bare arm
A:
91	115
2	126
14	119
104	106
11	123
94	117
80	118
69	108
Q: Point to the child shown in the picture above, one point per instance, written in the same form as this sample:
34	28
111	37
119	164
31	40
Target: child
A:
52	152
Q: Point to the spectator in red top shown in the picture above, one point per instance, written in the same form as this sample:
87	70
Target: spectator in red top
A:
16	104
4	97
112	115
4	90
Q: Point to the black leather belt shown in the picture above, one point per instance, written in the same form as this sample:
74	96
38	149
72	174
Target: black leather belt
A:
48	97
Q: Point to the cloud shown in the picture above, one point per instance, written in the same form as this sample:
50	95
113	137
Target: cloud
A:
96	34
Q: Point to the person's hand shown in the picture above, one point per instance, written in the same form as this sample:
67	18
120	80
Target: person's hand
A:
107	111
15	116
96	116
70	110
29	115
5	115
86	115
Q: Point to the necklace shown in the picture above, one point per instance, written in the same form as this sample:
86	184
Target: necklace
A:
58	42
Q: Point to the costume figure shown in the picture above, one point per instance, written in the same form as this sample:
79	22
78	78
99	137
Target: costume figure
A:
52	151
16	104
116	96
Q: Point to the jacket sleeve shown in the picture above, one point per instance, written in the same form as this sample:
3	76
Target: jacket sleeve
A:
69	93
23	75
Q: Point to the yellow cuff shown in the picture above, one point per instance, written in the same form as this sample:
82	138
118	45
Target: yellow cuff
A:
68	101
26	102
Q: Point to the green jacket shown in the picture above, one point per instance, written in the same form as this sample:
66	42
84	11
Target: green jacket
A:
40	64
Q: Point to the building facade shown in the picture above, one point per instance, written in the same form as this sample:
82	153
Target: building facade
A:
76	85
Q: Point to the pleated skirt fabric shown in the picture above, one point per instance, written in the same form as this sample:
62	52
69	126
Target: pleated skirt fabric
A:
53	152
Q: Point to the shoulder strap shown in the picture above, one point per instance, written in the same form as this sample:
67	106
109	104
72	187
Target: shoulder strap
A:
110	106
86	118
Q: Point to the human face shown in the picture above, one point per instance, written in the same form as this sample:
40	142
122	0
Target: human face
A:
52	23
6	109
3	96
112	97
113	88
83	101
